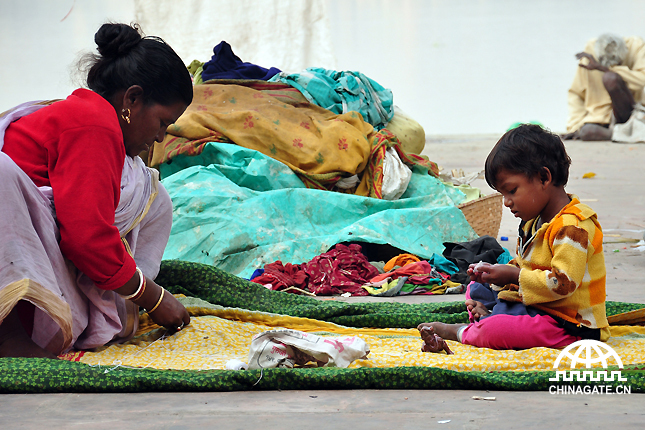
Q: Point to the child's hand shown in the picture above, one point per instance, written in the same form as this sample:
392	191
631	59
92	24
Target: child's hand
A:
475	272
498	274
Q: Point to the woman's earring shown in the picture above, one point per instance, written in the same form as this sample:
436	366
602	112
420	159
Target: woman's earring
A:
125	116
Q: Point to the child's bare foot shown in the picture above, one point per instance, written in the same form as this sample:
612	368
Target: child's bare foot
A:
476	309
434	333
14	341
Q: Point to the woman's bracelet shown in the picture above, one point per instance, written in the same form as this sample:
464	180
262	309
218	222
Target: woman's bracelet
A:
140	289
138	296
158	302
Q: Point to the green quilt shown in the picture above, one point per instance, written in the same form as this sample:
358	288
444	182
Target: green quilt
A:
24	375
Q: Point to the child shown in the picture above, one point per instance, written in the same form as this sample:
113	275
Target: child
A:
553	293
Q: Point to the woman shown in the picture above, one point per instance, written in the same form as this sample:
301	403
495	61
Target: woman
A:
83	222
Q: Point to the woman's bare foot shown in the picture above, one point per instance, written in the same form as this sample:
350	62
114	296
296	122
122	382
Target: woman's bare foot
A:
14	341
476	309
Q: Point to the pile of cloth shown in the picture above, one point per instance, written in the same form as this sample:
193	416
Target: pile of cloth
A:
321	147
336	92
251	164
347	270
265	166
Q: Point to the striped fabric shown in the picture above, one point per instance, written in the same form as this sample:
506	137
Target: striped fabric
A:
563	267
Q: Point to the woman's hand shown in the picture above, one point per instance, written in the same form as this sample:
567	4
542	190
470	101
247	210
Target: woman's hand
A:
170	313
498	274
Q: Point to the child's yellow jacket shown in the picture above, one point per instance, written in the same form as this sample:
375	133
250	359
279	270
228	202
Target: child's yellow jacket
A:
563	267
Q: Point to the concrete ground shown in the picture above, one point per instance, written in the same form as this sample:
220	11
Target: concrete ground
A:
613	192
322	410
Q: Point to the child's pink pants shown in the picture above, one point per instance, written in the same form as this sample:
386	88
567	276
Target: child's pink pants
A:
515	332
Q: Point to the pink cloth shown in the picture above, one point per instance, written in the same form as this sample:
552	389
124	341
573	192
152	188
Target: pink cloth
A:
471	318
516	332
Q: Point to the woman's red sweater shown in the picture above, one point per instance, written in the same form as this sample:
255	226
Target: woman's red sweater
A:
75	146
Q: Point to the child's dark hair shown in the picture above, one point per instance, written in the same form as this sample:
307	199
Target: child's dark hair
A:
526	150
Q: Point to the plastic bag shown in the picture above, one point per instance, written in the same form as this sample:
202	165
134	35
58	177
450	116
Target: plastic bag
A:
287	348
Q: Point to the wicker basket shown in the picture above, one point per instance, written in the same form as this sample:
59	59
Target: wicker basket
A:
484	214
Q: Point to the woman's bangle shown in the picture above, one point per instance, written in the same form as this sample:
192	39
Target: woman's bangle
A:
158	302
143	289
142	286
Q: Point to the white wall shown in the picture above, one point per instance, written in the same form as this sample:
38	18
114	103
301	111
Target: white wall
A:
457	66
288	34
40	41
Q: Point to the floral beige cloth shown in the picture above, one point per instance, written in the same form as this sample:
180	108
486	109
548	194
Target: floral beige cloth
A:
318	145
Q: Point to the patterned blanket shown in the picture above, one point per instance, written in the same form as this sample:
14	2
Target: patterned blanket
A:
318	145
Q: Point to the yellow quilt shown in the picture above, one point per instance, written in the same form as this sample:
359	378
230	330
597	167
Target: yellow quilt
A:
217	335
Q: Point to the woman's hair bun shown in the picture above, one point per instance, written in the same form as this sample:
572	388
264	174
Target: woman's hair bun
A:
126	57
116	40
